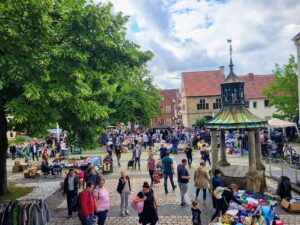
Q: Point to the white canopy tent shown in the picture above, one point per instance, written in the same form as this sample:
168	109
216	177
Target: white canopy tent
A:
278	123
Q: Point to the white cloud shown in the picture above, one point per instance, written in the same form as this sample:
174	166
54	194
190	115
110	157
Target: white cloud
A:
188	35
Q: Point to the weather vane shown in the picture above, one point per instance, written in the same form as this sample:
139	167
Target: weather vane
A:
230	50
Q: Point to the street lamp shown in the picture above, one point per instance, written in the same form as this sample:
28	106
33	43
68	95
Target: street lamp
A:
296	40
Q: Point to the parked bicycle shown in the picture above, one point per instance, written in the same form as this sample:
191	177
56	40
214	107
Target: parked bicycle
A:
277	152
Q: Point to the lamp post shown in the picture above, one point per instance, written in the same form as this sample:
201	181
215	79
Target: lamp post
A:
296	40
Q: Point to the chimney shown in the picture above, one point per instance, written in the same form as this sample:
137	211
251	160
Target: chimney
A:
251	76
221	69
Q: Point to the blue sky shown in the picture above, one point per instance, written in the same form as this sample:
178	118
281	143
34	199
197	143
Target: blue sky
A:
190	35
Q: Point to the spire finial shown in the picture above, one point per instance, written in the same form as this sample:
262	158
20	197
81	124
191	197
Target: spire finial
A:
230	51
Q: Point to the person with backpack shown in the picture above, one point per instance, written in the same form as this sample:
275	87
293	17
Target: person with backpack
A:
101	200
223	197
86	204
70	189
124	189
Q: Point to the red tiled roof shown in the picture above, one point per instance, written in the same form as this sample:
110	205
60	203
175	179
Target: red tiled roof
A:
202	83
255	84
207	83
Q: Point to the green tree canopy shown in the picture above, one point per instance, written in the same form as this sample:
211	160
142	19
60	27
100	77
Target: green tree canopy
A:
61	61
137	99
283	93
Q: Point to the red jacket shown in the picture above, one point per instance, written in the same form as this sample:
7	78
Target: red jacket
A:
86	204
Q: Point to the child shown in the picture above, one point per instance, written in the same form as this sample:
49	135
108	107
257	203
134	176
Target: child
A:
196	213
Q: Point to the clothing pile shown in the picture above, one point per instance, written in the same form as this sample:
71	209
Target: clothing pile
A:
27	212
257	209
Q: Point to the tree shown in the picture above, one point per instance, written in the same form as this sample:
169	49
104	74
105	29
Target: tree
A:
137	99
283	93
200	122
61	61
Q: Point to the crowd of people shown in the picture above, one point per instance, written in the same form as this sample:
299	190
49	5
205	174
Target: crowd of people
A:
94	200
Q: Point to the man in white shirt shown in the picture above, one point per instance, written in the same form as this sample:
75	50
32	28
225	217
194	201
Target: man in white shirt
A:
145	140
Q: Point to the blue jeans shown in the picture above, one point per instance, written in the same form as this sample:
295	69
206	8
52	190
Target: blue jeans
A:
85	221
166	181
102	217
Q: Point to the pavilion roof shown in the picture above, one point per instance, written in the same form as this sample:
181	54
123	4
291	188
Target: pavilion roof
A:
235	117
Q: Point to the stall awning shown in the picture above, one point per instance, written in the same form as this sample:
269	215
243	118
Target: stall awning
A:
278	123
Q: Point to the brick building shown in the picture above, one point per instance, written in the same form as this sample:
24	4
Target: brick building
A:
169	107
200	94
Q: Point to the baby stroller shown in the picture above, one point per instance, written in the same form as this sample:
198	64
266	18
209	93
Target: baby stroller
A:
107	165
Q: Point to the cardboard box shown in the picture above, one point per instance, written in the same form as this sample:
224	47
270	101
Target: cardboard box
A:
291	207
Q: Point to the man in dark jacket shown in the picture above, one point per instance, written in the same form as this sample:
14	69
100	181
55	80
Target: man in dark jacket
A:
71	189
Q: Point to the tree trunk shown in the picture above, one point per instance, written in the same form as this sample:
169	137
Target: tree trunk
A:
3	150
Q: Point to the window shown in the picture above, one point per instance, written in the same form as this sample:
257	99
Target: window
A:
168	121
254	105
247	104
11	134
168	109
162	121
202	105
183	107
217	104
266	103
162	98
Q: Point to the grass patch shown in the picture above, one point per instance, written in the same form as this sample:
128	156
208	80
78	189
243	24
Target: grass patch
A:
16	192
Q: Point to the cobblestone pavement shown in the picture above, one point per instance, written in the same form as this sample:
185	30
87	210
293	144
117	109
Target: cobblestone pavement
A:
169	209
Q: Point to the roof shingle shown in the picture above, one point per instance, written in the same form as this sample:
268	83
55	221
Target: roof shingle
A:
207	83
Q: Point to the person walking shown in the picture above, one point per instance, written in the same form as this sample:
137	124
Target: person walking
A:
189	154
151	167
201	179
118	152
71	183
149	214
94	176
136	155
196	213
101	200
183	179
216	182
168	171
124	189
145	140
162	151
86	205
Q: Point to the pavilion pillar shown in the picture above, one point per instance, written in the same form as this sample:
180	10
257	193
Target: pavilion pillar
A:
223	161
258	155
253	178
214	150
252	151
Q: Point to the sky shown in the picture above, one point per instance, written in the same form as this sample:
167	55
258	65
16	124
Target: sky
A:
191	35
